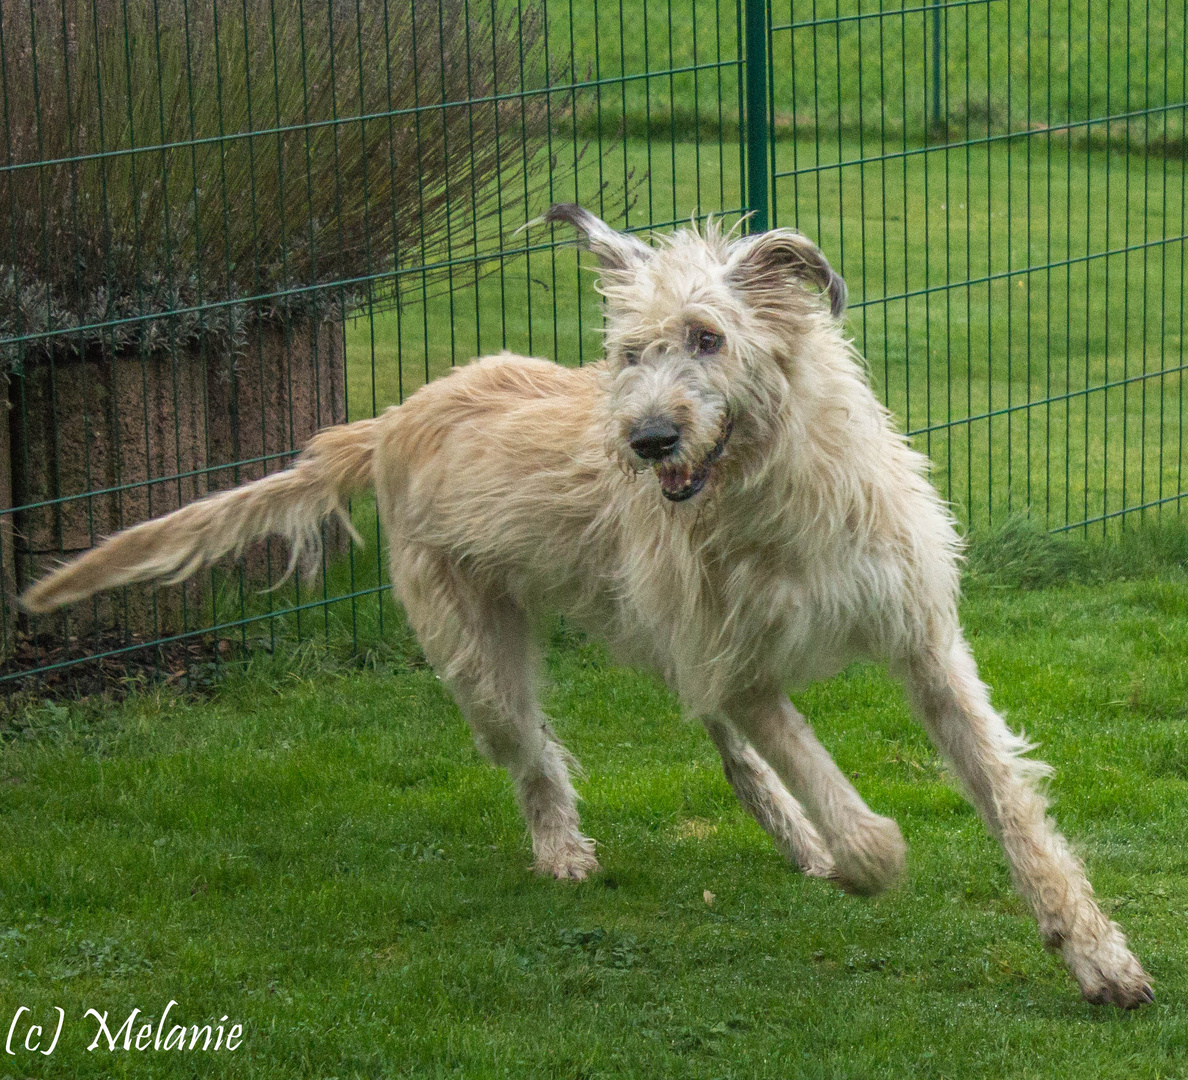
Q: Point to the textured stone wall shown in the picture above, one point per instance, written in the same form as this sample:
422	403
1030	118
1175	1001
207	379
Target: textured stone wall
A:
99	422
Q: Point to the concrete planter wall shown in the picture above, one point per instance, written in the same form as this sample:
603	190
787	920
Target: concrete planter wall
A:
91	423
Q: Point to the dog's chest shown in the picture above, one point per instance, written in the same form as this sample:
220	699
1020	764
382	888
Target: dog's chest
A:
797	612
763	610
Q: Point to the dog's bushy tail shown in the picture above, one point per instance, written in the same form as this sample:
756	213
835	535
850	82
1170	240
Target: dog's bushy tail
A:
291	504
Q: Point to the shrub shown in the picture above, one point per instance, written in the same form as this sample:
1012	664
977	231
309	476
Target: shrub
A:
212	157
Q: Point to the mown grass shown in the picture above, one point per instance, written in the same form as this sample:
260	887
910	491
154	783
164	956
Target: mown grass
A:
855	66
319	853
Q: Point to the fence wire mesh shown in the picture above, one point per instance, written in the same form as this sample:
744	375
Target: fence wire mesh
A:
1003	186
224	225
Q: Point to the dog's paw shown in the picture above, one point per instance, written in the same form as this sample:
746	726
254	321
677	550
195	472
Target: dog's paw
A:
1108	972
569	860
807	854
819	868
870	858
804	849
812	860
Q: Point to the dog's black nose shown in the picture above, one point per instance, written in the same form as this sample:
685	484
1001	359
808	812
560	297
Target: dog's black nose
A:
654	440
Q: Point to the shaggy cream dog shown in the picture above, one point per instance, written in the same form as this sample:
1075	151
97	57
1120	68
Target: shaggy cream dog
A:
723	500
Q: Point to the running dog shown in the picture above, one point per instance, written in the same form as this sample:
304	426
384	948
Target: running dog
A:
724	501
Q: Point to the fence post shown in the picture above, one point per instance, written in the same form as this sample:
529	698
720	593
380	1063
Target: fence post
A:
936	65
756	112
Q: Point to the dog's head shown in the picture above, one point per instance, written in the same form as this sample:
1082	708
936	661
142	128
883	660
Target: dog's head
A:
699	338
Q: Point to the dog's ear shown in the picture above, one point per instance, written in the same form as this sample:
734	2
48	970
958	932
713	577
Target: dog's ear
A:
615	250
765	262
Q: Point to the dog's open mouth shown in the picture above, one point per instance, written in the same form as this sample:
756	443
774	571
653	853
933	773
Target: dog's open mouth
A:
681	482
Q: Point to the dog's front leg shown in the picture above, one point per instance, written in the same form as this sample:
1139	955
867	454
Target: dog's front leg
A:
766	799
868	851
954	707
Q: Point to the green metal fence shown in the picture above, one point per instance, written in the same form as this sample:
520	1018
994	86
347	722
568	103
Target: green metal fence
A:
226	223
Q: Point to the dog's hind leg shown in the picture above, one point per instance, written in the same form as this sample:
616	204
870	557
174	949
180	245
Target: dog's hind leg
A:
867	849
766	799
480	644
955	708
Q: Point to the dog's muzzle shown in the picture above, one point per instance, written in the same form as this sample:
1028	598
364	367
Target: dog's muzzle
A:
679	482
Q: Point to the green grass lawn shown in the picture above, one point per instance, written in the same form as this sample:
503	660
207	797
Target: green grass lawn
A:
857	65
320	854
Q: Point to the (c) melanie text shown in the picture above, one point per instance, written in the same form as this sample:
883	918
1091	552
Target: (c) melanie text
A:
129	1035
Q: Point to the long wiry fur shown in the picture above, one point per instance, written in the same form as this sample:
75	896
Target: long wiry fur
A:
290	504
788	532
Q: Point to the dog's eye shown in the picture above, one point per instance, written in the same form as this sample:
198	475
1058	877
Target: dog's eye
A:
706	342
630	357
